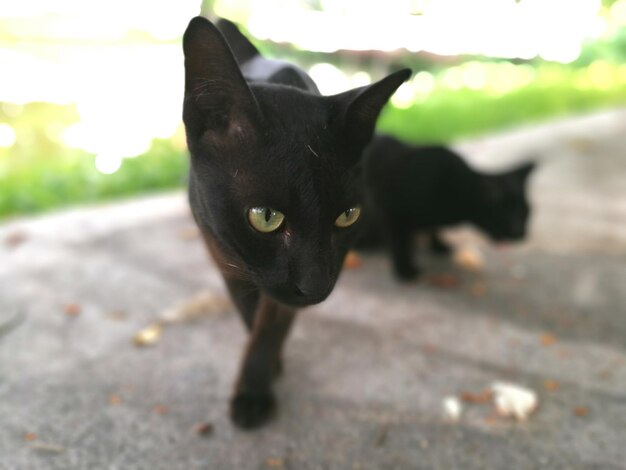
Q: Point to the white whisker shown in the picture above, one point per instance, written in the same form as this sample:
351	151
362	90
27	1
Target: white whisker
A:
312	151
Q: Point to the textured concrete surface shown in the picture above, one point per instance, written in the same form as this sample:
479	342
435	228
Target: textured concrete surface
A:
366	371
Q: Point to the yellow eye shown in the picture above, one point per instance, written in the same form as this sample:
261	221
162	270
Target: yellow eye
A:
265	219
348	217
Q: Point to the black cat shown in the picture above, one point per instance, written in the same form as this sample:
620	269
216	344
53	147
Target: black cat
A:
423	189
273	187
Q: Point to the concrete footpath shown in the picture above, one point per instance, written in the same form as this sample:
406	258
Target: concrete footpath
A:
365	372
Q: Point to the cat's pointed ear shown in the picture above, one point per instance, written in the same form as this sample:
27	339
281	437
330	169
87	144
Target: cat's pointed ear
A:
362	106
217	96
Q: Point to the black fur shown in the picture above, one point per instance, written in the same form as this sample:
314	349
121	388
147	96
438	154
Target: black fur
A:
260	134
423	189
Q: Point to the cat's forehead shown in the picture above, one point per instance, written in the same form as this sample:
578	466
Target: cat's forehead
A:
296	161
287	170
289	109
295	179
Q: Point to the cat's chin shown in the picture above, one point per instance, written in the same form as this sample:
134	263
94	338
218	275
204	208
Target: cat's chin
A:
297	300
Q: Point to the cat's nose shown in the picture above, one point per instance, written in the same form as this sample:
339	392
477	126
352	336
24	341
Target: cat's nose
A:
298	292
313	284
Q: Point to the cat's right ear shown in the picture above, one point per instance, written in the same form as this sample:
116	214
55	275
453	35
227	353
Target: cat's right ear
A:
358	109
217	96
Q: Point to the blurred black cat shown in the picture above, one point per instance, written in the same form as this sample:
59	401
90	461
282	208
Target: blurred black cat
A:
273	187
423	189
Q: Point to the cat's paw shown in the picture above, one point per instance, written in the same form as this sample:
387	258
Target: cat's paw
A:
252	410
406	273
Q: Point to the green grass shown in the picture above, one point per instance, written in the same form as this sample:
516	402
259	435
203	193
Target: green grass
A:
452	115
39	173
513	96
74	179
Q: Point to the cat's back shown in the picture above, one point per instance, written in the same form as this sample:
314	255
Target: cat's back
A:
419	182
258	69
392	163
277	72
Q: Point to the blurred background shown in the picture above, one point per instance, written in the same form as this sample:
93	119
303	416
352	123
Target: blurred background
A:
91	92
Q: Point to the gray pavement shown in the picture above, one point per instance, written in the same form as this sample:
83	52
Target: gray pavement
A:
366	371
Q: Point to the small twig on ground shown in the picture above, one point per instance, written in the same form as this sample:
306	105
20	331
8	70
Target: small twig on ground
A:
42	446
381	437
12	323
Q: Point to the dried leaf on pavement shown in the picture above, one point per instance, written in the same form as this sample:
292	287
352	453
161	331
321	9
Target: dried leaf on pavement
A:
444	281
148	336
204	429
115	399
204	303
547	339
484	396
273	462
352	261
15	238
581	411
469	258
72	310
551	385
478	289
160	409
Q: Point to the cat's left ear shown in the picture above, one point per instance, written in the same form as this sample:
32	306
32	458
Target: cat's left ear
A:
360	107
217	96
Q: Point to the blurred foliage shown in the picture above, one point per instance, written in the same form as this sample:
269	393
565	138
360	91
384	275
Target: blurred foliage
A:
39	172
73	179
611	49
555	91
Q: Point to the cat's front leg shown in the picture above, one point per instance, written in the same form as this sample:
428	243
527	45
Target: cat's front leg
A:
245	295
242	289
400	241
253	402
437	244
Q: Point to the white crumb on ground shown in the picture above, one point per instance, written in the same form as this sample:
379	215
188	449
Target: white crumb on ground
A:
514	400
452	408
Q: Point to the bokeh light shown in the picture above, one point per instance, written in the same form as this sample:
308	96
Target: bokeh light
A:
89	86
7	135
118	62
494	28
